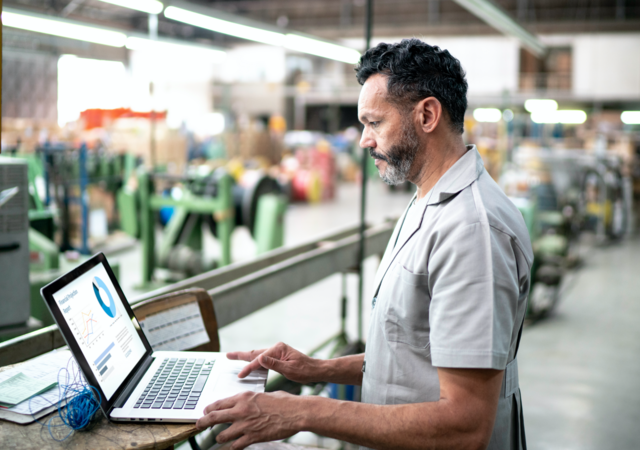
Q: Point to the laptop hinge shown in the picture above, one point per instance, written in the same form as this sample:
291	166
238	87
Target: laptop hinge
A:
133	383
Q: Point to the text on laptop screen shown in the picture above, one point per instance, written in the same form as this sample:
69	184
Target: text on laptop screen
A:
101	326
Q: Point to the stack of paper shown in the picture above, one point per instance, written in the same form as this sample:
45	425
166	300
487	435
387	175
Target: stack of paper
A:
43	369
20	387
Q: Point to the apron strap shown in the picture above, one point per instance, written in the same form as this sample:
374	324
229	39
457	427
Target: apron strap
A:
510	383
510	380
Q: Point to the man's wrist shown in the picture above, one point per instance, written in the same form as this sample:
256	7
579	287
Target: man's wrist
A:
323	370
306	407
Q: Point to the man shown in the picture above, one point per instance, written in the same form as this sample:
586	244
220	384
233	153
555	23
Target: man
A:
439	369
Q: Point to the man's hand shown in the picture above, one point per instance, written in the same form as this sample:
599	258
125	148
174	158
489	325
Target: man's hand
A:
283	359
254	417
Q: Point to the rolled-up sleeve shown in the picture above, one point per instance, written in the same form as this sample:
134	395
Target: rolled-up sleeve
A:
473	281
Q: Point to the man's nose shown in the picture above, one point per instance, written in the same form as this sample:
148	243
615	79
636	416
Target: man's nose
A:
366	140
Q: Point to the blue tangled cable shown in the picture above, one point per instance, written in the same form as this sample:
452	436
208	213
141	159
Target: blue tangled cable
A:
82	404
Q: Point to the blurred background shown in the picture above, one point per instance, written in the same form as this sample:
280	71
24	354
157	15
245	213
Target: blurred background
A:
185	137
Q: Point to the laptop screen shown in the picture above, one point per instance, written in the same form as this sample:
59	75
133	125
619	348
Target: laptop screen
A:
101	326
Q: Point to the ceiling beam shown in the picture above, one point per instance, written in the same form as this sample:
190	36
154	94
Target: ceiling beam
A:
496	17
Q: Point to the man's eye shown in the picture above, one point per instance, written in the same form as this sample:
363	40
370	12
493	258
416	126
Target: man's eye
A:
374	124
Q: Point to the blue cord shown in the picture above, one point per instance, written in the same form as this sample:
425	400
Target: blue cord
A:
81	406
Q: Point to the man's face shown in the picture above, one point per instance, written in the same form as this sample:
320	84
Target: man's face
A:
390	135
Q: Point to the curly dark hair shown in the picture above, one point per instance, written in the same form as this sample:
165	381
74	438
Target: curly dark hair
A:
417	70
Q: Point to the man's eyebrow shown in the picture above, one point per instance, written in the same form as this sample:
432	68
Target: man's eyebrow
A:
363	119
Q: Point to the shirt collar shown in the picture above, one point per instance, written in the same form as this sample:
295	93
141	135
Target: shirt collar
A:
464	172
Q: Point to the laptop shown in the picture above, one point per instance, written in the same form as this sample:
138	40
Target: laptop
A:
135	382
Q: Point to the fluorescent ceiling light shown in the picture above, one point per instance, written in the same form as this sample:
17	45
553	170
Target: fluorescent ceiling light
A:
63	28
290	41
562	116
540	105
224	26
320	48
148	6
630	117
487	114
137	43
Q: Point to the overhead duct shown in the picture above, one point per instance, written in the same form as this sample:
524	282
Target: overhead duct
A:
494	16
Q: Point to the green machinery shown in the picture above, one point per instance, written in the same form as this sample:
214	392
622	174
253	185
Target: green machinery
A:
41	218
549	233
55	176
214	200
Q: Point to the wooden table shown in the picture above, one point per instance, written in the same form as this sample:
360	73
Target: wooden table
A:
101	434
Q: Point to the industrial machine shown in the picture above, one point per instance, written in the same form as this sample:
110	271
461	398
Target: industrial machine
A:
14	242
68	173
55	179
548	229
183	204
603	203
542	184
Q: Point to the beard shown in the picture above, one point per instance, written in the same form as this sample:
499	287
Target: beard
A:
400	156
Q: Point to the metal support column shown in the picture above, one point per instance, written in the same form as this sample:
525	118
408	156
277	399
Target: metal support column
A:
363	193
224	218
84	199
147	231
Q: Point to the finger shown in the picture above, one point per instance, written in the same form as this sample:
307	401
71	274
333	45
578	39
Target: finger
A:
225	403
271	363
233	432
253	365
245	356
243	443
215	418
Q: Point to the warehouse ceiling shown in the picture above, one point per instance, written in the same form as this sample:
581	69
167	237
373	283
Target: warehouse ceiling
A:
334	19
339	18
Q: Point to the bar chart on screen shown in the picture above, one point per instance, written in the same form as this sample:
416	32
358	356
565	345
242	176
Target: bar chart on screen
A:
103	363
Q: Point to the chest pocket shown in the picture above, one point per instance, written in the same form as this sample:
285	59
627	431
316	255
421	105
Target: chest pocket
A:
407	318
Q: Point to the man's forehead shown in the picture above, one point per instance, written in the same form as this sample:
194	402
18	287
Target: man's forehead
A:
374	88
373	95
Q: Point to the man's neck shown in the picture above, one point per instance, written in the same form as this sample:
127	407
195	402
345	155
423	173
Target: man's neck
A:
435	163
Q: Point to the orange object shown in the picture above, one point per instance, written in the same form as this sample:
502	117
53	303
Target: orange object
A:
98	118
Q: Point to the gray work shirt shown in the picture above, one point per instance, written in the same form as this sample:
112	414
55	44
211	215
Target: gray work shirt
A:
451	291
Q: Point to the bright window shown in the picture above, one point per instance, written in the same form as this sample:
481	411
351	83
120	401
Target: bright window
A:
89	83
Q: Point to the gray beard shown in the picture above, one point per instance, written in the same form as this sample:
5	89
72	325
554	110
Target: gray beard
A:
400	157
396	174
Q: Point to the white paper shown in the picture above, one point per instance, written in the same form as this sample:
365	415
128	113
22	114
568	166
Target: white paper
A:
228	384
46	368
176	329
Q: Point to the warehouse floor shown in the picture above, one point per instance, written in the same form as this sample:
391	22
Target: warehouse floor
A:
579	368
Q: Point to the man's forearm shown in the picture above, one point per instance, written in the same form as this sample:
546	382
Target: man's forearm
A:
390	426
344	370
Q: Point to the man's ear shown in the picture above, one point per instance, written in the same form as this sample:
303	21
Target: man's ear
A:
430	113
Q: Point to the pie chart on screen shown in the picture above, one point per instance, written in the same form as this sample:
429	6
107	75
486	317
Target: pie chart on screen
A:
102	294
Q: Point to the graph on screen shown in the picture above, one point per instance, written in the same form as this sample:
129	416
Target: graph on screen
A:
88	325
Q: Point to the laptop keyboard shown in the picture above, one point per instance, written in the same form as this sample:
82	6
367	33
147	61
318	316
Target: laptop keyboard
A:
177	384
